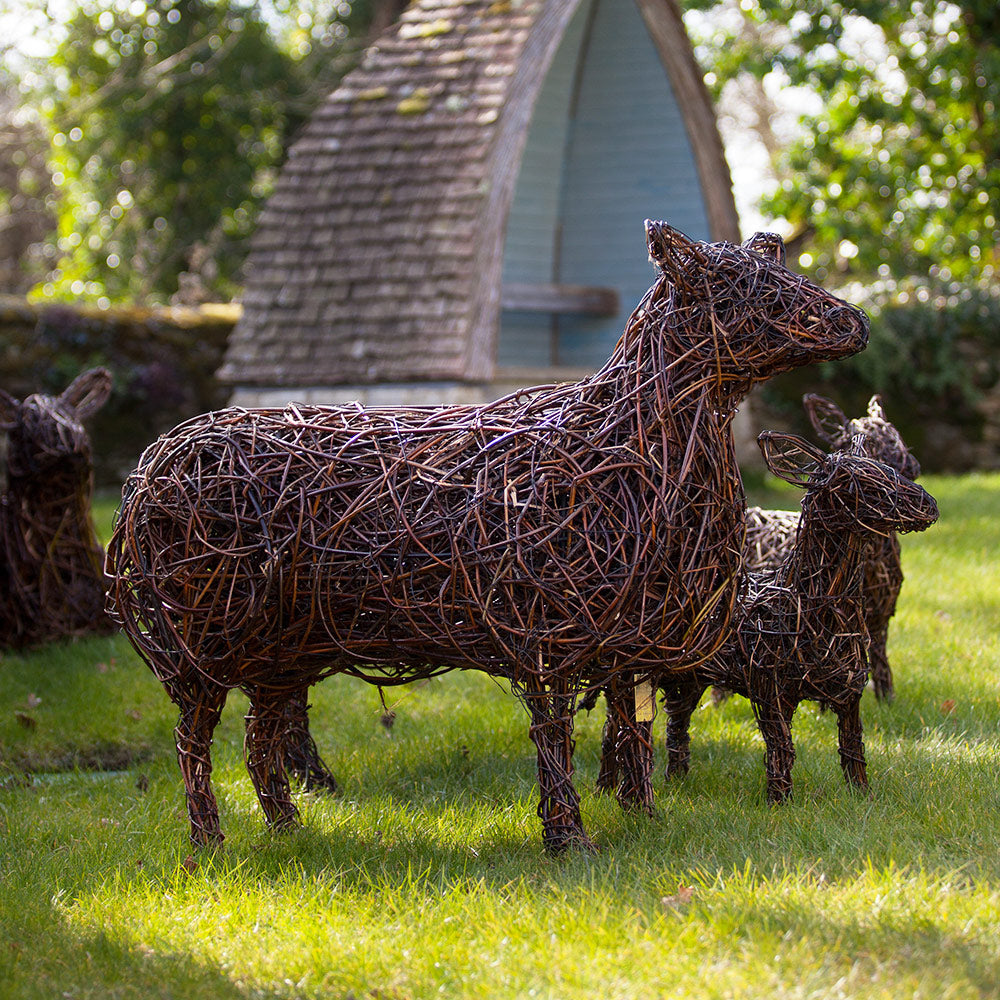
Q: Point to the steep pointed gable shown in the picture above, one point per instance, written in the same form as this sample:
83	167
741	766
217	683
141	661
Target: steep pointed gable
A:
369	260
378	258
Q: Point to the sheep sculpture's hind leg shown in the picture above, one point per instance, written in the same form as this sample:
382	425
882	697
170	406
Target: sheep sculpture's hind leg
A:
301	754
264	748
851	744
551	708
200	712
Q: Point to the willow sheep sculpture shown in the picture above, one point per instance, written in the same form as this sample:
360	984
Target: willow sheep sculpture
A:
52	584
801	629
527	538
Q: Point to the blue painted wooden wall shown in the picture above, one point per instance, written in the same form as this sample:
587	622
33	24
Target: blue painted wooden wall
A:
606	150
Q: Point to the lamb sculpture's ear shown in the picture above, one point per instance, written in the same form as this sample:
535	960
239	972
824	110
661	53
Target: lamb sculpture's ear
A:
790	457
9	410
769	245
859	446
88	392
670	249
828	420
875	410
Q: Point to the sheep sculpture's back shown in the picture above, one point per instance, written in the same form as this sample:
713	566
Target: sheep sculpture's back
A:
51	580
265	549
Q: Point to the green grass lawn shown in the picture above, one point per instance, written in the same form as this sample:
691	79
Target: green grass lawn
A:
426	876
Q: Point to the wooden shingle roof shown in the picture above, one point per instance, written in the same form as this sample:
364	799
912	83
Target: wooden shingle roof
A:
378	256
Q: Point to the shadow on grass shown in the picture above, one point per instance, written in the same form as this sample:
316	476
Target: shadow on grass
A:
43	956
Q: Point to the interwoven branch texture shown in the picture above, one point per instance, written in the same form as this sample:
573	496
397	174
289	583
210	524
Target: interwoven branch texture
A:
771	533
800	630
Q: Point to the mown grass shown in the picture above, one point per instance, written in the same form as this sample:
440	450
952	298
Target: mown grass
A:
426	876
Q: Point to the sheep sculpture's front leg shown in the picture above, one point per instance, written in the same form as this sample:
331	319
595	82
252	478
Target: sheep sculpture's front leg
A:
551	707
680	699
301	754
633	750
264	748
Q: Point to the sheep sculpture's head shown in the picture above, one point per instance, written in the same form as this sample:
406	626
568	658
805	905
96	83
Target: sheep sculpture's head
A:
742	314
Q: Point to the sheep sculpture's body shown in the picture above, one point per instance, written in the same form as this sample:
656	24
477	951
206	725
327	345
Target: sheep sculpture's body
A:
527	538
51	580
800	630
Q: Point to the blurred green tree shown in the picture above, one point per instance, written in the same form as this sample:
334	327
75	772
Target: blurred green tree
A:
895	169
168	120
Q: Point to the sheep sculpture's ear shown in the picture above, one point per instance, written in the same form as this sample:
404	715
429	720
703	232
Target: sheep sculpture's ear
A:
9	410
875	409
88	392
769	245
670	250
791	457
828	420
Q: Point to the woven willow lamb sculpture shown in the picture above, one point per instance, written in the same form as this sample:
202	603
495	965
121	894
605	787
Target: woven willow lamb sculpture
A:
51	580
801	629
564	537
883	573
771	534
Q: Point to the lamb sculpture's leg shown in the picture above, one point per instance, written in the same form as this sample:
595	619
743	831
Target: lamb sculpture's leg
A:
680	700
880	670
633	750
265	758
851	743
607	777
200	712
774	719
551	708
301	754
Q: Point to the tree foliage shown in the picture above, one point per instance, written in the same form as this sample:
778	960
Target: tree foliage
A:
168	120
896	171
